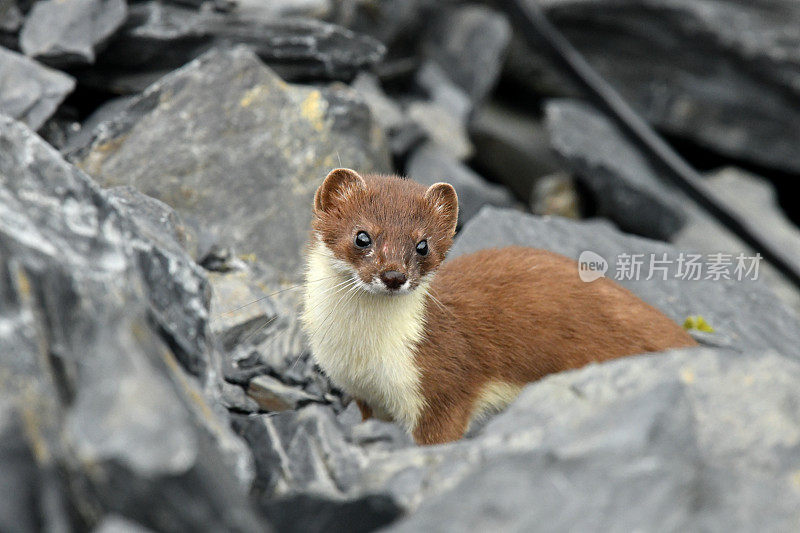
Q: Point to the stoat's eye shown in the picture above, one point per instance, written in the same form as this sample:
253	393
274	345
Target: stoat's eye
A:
422	248
362	239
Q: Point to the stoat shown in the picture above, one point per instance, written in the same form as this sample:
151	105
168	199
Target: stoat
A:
434	345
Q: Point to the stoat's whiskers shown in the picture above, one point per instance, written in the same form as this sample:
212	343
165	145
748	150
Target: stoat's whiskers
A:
352	290
439	303
335	290
271	320
335	287
298	286
260	328
348	286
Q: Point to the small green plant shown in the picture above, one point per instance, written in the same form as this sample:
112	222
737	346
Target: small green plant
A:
697	323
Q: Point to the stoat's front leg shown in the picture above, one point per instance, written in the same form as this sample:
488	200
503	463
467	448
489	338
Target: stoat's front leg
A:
366	410
442	424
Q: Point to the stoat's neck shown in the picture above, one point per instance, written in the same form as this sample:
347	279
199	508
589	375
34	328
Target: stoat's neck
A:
365	342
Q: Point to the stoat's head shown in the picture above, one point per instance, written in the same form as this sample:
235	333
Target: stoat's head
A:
388	234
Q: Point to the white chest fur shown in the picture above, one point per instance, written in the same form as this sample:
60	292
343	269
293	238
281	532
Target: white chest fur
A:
365	342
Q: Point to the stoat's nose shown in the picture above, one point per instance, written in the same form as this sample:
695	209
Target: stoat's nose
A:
393	279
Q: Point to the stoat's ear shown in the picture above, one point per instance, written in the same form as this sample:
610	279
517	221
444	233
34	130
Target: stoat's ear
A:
338	185
445	201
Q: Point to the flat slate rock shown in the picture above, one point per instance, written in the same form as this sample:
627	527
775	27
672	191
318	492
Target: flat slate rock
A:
430	164
512	147
631	191
313	514
177	288
66	33
755	200
721	74
239	309
624	185
30	92
469	42
158	38
236	151
258	333
695	439
102	308
271	394
303	451
443	115
11	19
402	133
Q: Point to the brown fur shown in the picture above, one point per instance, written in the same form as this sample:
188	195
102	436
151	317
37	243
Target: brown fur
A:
513	315
509	315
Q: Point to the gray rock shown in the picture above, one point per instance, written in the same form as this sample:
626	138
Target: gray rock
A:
430	164
443	115
33	495
159	38
625	186
755	200
273	395
235	399
8	40
156	221
512	148
313	514
388	113
58	128
217	5
29	91
375	435
402	133
239	309
318	9
88	366
631	191
722	74
105	112
117	524
396	23
259	333
177	288
469	43
241	366
66	33
745	314
655	443
235	151
259	336
304	451
11	19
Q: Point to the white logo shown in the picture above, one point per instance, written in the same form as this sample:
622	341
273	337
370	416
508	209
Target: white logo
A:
591	267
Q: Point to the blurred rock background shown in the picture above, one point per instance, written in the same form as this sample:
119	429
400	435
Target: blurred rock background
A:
157	164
